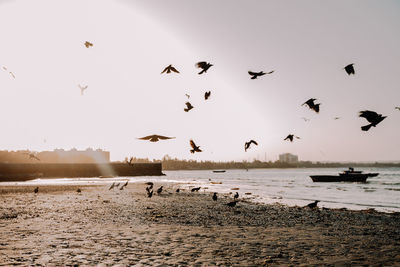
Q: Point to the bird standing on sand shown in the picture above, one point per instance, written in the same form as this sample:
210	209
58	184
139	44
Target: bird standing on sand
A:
214	197
126	184
149	193
177	190
78	190
231	204
207	95
247	144
372	117
88	44
169	68
36	190
310	103
236	196
204	66
159	190
150	184
290	137
313	204
195	189
188	107
349	69
194	147
112	186
83	88
257	74
155	138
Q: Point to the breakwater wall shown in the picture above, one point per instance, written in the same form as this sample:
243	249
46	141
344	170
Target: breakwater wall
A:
29	171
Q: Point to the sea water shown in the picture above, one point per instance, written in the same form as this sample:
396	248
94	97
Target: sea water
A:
292	187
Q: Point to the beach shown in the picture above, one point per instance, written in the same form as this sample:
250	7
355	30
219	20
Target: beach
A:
60	227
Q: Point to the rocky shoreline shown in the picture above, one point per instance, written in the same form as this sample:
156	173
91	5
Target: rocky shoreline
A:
59	226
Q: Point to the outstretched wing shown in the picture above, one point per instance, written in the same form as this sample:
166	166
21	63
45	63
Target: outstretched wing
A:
272	71
189	105
164	137
164	70
174	70
201	64
253	142
369	115
146	137
192	144
252	73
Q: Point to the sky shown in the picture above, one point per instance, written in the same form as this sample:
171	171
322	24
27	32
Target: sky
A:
306	43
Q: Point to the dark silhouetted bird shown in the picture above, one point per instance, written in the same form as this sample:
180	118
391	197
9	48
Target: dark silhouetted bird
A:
372	117
195	189
313	204
204	66
150	185
194	147
336	118
232	204
83	88
88	44
155	138
78	190
247	144
150	193
112	186
177	190
116	185
215	197
130	161
290	137
159	190
169	69
349	69
126	184
236	196
188	107
310	103
207	95
257	74
397	108
36	190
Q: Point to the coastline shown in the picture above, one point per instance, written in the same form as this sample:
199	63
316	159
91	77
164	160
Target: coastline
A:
59	226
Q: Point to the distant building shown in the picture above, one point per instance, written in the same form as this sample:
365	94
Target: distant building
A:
288	158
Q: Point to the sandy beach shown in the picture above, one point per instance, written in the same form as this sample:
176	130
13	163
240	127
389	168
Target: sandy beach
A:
61	227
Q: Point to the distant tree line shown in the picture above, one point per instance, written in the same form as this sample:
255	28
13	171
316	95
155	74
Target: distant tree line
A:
169	163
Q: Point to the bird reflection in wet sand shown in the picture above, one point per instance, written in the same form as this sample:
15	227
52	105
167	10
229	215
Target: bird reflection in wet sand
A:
290	137
188	107
254	75
349	69
194	147
247	144
155	138
204	66
310	103
372	117
168	69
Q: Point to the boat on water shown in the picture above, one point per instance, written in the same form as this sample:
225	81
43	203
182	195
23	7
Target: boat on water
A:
349	175
219	171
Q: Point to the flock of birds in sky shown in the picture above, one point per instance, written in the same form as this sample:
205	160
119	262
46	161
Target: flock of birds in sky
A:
371	116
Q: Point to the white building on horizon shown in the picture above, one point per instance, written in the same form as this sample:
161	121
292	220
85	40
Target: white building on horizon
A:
288	158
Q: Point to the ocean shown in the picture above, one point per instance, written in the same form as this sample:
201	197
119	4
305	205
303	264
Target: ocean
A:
291	187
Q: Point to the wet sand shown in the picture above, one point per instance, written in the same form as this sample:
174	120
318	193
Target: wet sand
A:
59	226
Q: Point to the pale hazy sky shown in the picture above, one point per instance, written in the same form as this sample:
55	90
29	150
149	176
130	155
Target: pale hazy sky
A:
307	43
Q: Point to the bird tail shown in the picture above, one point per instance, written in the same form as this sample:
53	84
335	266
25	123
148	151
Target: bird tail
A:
192	151
366	127
186	109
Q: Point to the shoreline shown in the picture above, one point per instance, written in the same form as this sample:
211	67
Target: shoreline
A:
58	226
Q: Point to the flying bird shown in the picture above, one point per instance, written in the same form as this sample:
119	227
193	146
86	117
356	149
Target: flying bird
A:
310	103
188	96
169	69
247	144
155	138
215	197
313	204
11	73
88	44
207	95
290	137
204	66
130	162
349	69
188	107
336	118
372	117
257	74
397	108
194	147
83	88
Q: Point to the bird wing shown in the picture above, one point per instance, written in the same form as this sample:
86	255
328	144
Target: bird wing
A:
287	137
189	105
164	137
192	144
254	142
253	73
175	70
371	116
201	64
164	70
147	137
272	71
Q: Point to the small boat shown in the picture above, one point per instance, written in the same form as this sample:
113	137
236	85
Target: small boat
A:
346	176
219	171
